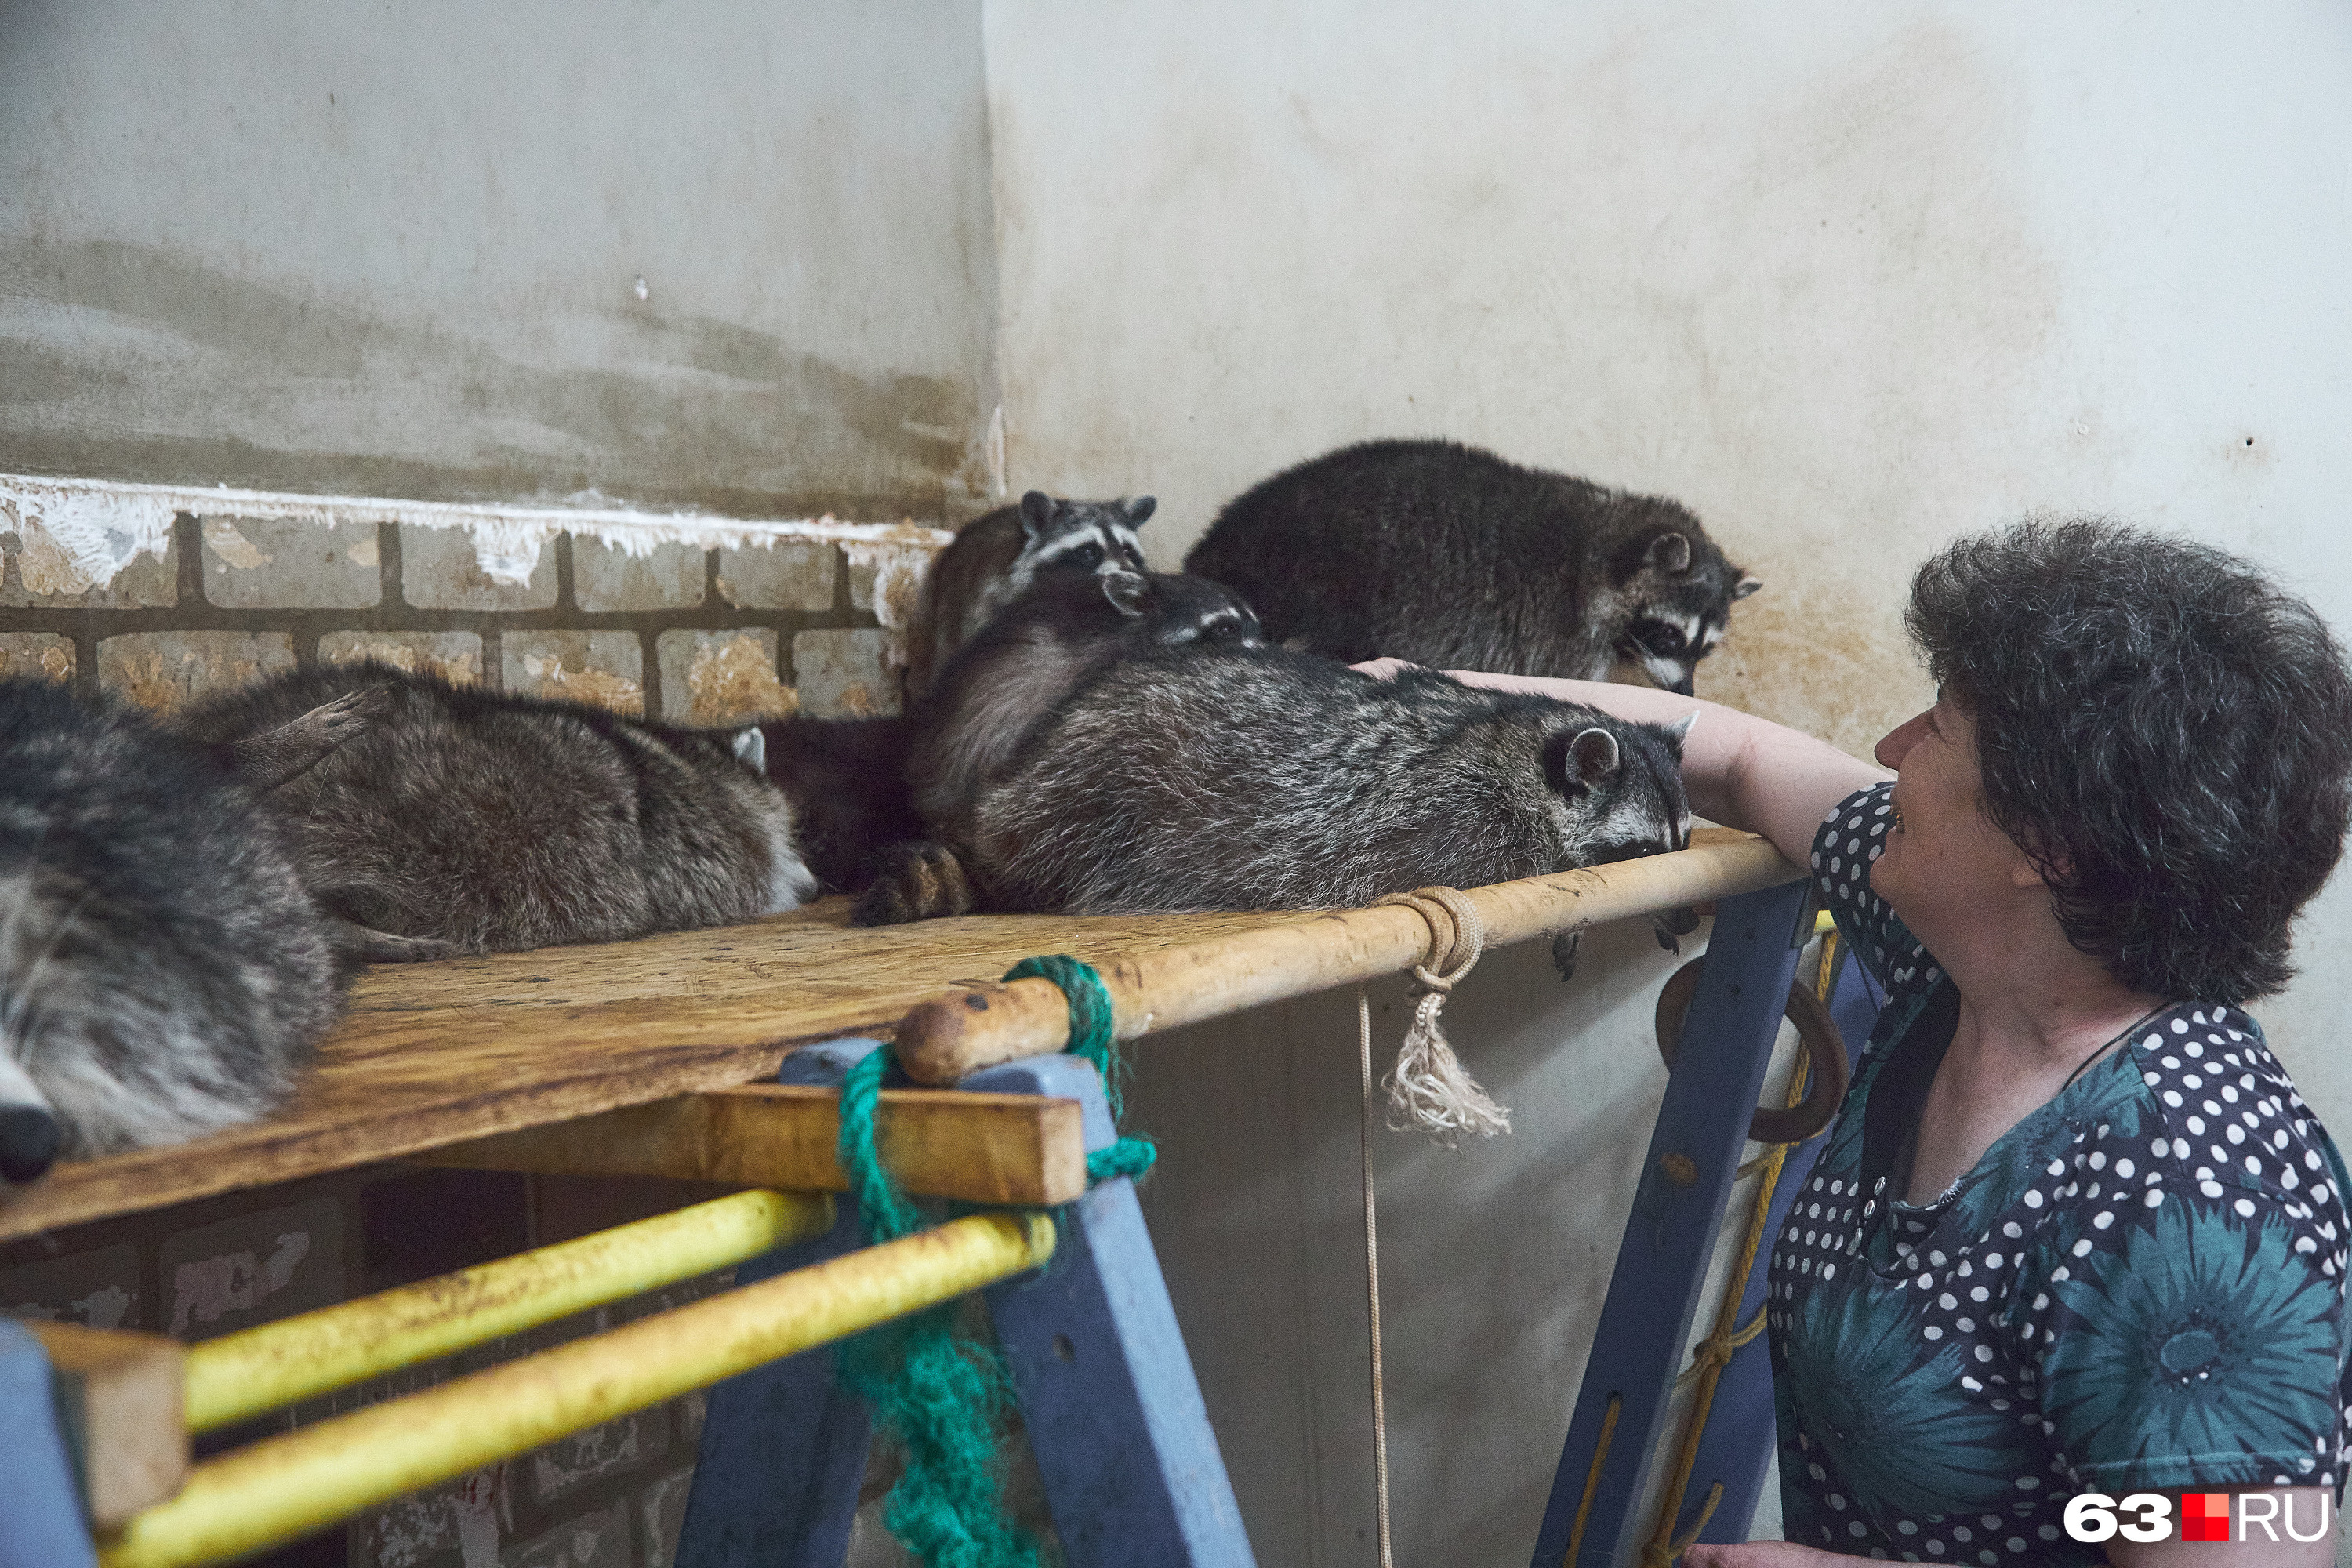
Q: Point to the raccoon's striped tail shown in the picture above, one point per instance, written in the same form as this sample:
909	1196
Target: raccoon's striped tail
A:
915	880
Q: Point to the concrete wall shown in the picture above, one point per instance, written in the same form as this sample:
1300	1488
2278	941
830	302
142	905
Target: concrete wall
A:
397	252
1848	280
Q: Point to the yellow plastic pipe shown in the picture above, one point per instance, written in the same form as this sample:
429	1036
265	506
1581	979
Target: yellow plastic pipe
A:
241	1376
284	1487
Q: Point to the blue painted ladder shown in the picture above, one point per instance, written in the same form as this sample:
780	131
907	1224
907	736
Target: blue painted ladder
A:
1115	1417
1591	1519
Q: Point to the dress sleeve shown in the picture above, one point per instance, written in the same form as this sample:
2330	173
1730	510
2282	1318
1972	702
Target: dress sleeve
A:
2184	1310
1850	838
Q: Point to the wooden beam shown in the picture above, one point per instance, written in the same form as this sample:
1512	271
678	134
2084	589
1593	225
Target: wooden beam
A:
1013	1149
118	1404
951	1037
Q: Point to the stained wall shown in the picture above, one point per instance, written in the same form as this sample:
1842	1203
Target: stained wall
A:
1849	280
716	254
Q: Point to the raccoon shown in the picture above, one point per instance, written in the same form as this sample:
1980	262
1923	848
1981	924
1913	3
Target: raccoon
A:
1451	557
1262	778
164	971
995	558
458	820
846	782
1000	685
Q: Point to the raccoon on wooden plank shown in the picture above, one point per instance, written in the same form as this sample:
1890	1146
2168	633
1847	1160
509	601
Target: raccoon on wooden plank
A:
1451	557
995	558
1262	778
164	971
460	820
1002	683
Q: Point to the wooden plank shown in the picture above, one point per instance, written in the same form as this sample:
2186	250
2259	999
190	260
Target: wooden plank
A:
118	1406
948	1037
434	1053
1013	1149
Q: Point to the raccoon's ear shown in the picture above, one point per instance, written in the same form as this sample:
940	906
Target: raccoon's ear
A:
1136	509
1127	592
752	747
1575	761
1036	511
1679	730
1746	586
1669	553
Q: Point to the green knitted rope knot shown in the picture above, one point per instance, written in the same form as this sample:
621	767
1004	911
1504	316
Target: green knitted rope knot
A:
939	1395
1091	1038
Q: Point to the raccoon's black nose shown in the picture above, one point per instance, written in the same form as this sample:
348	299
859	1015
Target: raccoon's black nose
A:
1686	686
29	1140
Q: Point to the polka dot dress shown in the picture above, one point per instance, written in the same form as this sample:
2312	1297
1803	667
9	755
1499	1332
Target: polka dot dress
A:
2141	1287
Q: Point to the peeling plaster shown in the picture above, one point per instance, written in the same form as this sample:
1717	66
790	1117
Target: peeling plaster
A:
101	526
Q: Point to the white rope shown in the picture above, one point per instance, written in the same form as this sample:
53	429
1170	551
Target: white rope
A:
1372	1277
1429	1089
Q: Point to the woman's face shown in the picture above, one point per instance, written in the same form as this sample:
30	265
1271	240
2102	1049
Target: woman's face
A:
1943	855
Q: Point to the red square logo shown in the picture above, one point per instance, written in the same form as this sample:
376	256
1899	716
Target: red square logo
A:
2204	1516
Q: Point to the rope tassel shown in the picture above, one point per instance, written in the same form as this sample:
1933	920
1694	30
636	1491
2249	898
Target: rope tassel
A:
1429	1089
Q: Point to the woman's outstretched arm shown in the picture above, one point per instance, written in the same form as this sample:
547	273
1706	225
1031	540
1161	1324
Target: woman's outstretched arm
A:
1741	770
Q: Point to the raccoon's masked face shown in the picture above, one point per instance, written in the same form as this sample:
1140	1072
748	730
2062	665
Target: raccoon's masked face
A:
1680	607
1080	536
1177	610
1621	791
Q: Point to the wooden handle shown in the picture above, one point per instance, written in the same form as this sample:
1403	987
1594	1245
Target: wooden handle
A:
1021	1149
120	1398
1817	1033
941	1040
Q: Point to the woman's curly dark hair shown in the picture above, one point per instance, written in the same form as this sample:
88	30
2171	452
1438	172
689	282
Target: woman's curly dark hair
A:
2165	733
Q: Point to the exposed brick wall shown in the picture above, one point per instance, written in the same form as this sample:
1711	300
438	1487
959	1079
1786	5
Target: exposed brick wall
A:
687	635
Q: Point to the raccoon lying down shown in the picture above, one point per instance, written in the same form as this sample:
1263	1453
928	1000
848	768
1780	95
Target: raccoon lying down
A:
441	819
164	971
1192	774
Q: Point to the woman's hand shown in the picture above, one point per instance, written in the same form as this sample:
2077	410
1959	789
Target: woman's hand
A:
1383	669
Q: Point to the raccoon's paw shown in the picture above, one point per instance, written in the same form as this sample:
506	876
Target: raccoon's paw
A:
366	945
1563	952
913	881
1671	925
279	756
350	716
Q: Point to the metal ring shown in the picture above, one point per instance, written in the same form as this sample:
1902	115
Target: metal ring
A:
1817	1036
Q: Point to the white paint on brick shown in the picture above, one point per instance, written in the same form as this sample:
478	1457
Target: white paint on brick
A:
104	524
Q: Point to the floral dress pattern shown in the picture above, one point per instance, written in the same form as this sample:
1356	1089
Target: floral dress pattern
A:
2141	1286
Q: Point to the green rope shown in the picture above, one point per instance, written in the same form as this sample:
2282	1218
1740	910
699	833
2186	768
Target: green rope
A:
1091	1038
937	1393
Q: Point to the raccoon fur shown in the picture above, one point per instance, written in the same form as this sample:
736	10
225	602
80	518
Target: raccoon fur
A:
164	971
846	782
995	558
1260	778
1004	682
1449	556
460	820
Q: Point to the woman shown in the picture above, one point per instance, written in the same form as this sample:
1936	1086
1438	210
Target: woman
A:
2074	1230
